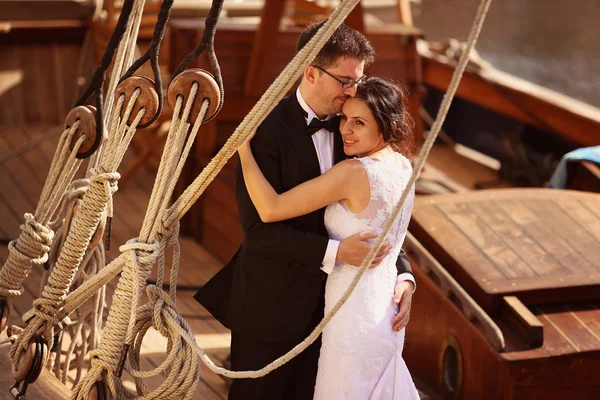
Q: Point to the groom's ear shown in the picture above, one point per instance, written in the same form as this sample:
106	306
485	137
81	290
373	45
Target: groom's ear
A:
310	74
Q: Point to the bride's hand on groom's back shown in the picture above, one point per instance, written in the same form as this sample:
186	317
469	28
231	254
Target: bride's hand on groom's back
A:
354	249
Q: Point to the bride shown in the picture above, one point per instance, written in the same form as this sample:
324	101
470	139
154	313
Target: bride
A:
361	352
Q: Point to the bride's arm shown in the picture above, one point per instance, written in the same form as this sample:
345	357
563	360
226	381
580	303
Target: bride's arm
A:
336	184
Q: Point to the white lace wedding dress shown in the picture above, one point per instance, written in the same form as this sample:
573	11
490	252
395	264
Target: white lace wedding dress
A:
361	356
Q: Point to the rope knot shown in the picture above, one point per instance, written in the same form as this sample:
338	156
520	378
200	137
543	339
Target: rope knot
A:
161	304
100	175
30	249
168	233
144	253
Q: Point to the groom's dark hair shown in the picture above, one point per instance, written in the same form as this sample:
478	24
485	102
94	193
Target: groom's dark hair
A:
344	43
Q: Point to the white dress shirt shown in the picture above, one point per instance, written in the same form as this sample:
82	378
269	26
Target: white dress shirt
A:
323	141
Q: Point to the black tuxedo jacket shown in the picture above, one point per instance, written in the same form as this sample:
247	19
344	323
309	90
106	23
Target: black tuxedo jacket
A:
273	286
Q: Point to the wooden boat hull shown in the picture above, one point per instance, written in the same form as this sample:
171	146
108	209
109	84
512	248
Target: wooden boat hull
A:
527	339
437	323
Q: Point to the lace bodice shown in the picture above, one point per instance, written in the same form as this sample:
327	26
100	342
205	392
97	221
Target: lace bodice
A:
387	180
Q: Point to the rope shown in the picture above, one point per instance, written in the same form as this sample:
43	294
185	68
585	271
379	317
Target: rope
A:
137	258
123	59
36	241
31	247
84	332
141	252
165	317
96	200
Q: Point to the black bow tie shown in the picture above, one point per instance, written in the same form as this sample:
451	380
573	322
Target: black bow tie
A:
316	125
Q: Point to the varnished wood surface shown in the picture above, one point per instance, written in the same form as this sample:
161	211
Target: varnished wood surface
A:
21	180
46	59
565	365
542	244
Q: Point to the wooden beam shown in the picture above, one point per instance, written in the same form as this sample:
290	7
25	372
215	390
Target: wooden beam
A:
405	13
355	19
516	315
524	101
263	48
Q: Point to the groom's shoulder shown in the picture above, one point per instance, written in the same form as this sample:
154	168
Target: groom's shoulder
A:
275	120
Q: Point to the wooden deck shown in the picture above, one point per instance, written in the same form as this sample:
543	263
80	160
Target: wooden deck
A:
21	180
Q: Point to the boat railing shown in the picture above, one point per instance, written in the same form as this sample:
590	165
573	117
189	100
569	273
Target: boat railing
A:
450	288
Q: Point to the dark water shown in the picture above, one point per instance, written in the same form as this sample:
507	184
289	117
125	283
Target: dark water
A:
554	43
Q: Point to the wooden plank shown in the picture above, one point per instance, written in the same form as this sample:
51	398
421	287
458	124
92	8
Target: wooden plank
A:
355	19
538	260
11	111
555	340
588	315
263	49
520	319
540	230
486	241
579	336
9	79
579	212
405	13
571	230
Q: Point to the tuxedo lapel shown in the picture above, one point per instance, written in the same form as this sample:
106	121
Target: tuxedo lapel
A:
295	125
338	147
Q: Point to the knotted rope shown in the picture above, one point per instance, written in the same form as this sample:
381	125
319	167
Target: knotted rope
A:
136	261
31	248
96	200
85	329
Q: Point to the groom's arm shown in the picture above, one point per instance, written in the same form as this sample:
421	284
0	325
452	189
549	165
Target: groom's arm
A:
279	239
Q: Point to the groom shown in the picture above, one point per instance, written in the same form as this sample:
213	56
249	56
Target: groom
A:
271	294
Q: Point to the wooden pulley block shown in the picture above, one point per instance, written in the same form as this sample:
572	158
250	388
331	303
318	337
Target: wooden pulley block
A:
99	392
4	311
32	361
207	89
87	128
147	100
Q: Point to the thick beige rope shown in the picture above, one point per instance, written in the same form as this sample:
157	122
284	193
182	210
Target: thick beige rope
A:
31	248
83	335
137	258
123	61
96	200
104	360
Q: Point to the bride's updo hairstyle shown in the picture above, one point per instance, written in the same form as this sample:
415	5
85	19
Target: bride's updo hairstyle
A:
388	103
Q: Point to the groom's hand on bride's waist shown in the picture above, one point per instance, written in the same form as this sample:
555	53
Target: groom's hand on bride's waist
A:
354	249
403	297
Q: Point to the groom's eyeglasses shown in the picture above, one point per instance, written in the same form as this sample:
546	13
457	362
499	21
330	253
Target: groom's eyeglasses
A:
345	84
